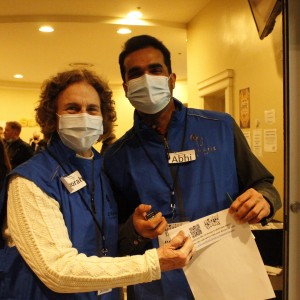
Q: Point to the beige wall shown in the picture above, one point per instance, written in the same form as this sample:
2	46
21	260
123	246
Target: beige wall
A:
223	36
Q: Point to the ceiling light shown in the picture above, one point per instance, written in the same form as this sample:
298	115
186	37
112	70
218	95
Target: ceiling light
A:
133	18
134	15
46	29
124	31
18	76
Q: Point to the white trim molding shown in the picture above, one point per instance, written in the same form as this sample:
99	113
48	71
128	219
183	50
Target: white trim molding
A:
220	82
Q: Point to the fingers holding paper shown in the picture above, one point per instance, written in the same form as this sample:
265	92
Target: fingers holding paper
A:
250	207
177	253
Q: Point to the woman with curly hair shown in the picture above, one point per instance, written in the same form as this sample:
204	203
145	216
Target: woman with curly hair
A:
60	232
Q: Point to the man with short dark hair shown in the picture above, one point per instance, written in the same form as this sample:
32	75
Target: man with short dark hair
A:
184	162
18	150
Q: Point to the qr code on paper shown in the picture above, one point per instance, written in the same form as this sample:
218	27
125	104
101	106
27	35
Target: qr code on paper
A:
195	230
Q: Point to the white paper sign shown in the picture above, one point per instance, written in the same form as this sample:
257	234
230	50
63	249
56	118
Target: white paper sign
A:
227	265
270	140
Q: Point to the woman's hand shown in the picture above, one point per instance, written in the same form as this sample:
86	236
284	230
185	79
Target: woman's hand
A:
176	254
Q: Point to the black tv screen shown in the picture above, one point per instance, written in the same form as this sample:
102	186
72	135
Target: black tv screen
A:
264	13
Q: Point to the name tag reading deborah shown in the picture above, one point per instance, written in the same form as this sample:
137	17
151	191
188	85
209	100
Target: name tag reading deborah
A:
182	157
73	182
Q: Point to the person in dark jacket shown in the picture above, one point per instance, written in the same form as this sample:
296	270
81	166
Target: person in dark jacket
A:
5	166
18	150
182	161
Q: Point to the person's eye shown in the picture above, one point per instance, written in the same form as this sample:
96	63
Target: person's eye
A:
72	109
156	70
93	110
134	74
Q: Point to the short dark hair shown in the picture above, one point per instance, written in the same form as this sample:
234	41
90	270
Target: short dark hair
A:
46	111
140	42
16	126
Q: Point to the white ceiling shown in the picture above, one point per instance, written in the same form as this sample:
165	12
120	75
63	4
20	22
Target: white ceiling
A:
85	32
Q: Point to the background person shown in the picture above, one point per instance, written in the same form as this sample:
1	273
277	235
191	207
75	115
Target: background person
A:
1	132
33	142
61	228
181	161
18	150
5	166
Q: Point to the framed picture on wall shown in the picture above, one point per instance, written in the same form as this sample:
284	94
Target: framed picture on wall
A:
244	96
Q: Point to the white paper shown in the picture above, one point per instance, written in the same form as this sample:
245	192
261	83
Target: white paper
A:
257	142
270	116
228	265
270	140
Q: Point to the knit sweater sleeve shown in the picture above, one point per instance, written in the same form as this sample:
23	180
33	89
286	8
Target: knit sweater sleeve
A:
37	228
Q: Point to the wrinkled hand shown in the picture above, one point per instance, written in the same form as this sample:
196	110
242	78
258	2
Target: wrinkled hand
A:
250	207
148	228
176	254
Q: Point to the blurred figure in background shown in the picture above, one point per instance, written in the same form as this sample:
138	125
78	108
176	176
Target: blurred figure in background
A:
34	141
5	166
18	150
1	132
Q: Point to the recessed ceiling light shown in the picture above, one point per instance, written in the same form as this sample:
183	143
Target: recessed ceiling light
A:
18	76
46	29
124	31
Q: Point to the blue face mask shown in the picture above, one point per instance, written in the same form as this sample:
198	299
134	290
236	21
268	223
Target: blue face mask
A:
80	131
148	93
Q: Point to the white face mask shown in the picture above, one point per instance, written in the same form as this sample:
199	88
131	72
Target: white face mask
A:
148	93
80	131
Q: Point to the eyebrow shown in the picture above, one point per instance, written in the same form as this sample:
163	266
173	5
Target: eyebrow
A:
156	65
151	66
78	104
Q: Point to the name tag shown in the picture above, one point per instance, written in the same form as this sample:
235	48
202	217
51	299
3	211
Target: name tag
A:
73	182
182	157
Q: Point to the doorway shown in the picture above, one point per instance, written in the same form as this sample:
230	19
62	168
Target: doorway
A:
216	92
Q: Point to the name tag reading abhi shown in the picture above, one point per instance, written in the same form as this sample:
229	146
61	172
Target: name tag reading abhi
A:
73	182
182	157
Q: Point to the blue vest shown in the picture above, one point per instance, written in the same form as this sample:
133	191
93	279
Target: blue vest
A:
17	281
138	168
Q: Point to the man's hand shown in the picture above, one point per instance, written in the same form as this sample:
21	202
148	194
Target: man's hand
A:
176	254
150	228
250	207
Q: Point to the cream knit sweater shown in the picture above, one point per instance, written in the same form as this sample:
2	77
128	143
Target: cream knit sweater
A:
36	227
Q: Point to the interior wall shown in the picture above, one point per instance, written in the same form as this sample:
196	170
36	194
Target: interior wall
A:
224	36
